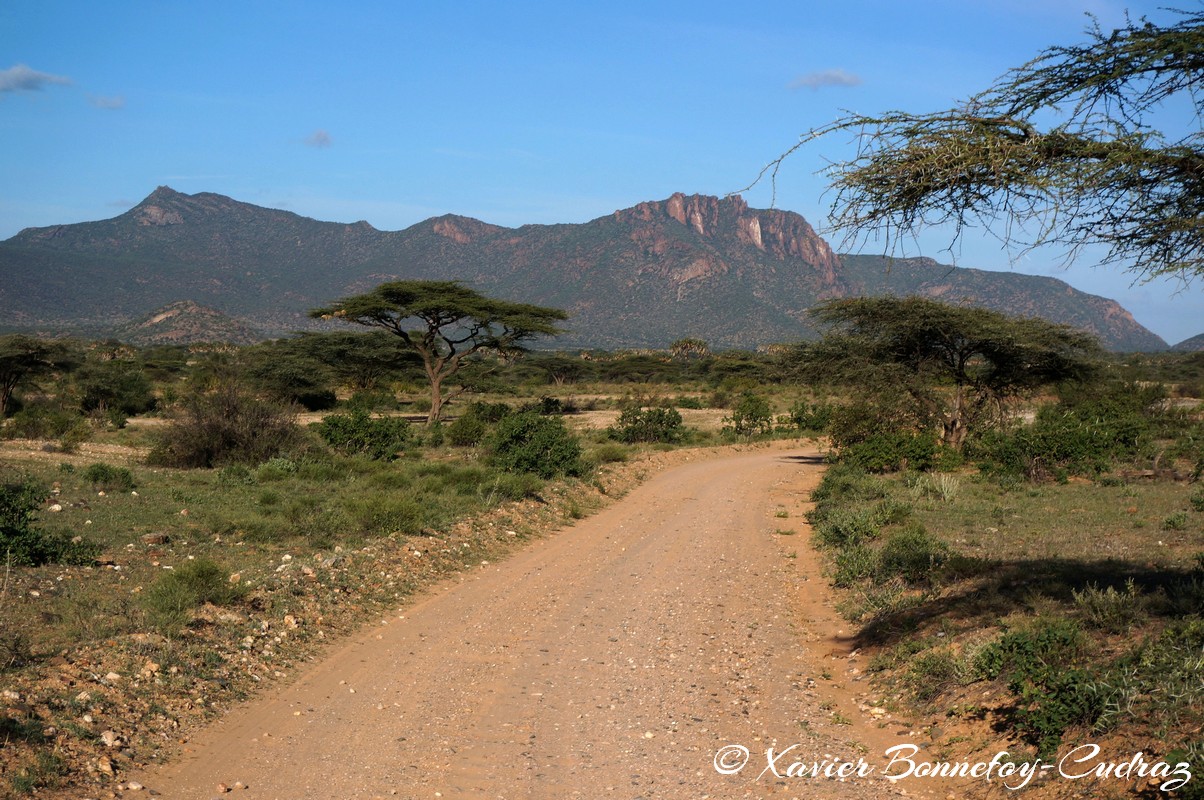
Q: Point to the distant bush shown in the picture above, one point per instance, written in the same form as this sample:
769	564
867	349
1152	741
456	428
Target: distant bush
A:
45	420
548	406
226	426
356	433
804	416
529	442
751	416
893	451
489	412
109	478
1084	434
116	388
647	425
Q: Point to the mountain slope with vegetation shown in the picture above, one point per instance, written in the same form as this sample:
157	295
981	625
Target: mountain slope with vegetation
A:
645	276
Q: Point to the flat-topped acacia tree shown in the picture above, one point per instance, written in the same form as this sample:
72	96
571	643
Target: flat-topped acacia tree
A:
446	323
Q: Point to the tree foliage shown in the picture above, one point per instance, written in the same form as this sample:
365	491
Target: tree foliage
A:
25	357
955	364
1058	151
455	322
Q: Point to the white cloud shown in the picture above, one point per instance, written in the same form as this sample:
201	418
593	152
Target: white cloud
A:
319	138
23	79
110	103
827	77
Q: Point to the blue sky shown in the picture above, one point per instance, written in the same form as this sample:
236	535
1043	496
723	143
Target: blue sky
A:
516	112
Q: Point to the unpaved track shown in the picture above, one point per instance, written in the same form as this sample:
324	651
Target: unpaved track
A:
610	660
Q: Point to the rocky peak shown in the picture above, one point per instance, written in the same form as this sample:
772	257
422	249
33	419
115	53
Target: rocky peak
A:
783	234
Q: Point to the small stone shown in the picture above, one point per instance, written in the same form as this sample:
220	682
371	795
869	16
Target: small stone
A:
183	512
134	786
235	577
55	508
100	493
104	765
222	788
110	739
112	677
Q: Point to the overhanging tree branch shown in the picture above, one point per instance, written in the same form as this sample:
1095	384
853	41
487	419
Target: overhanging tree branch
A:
1102	176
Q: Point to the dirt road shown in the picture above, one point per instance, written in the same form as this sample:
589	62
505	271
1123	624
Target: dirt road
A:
613	659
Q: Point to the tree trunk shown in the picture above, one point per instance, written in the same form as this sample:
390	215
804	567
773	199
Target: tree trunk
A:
955	425
436	401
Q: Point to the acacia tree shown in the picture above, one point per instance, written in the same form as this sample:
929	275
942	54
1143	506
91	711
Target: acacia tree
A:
24	357
455	323
955	364
1100	176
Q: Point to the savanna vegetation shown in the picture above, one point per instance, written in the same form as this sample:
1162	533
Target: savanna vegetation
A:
1013	518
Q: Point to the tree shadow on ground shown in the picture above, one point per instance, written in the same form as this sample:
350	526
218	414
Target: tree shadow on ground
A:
979	593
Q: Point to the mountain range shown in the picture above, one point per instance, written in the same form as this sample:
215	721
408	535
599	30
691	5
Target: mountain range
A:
689	265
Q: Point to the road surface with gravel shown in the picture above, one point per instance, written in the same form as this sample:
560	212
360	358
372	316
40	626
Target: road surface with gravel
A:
615	658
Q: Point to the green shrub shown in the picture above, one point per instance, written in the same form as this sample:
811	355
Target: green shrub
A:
647	425
24	544
109	478
1056	641
529	442
1109	609
235	475
847	528
19	539
854	563
1175	522
513	486
1052	701
46	421
892	451
468	430
118	388
276	469
912	554
381	515
608	453
489	412
1052	694
931	673
1084	434
750	417
171	598
804	416
547	406
226	426
356	433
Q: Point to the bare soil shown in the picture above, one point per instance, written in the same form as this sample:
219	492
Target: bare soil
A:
612	659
